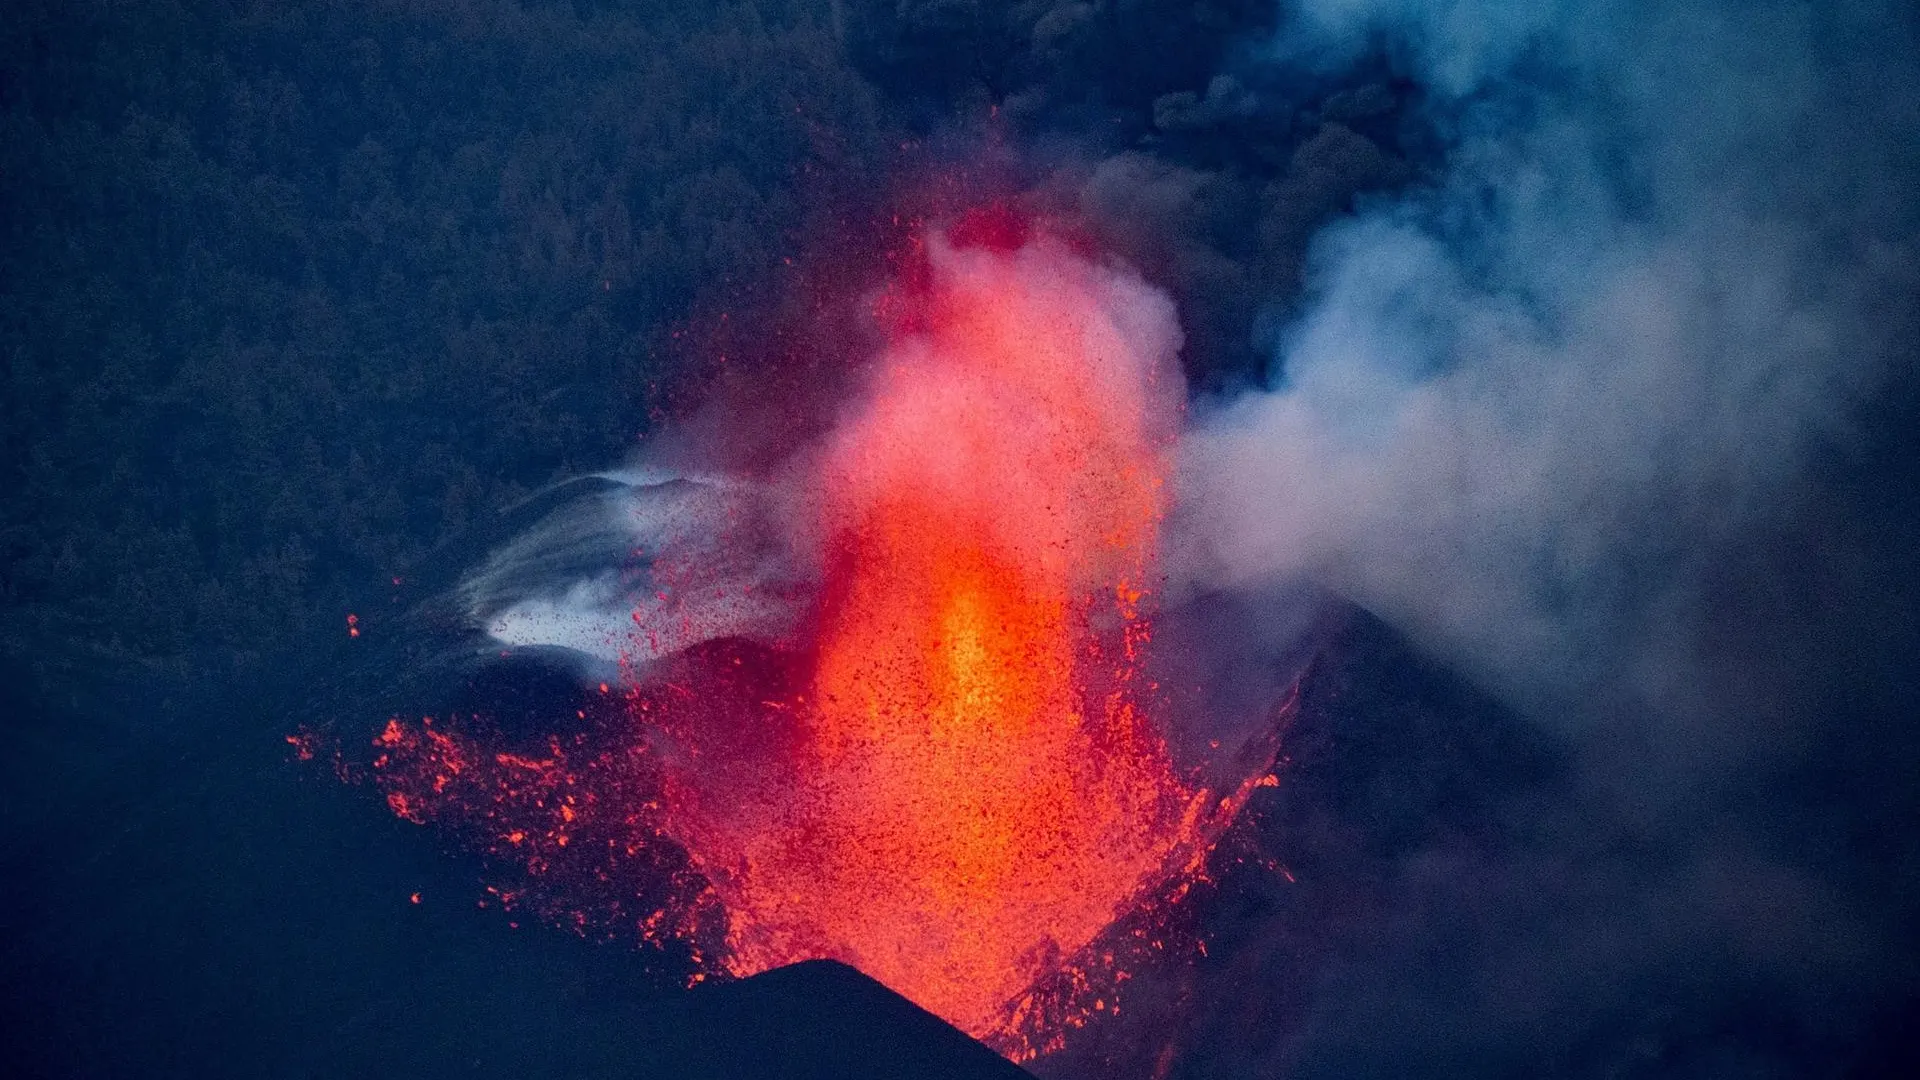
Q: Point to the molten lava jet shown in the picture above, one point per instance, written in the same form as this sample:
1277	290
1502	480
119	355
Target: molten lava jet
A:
974	790
959	776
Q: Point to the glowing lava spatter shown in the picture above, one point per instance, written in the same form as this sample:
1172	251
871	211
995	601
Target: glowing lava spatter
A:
974	792
957	781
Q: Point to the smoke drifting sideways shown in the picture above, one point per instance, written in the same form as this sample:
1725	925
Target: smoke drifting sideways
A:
1584	412
1667	257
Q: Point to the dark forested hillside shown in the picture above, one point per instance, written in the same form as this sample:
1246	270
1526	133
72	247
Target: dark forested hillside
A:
290	292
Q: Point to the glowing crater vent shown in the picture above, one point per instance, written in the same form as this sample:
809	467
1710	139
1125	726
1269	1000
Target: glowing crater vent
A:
948	766
971	788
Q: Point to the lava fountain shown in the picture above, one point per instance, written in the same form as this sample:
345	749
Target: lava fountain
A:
956	775
973	788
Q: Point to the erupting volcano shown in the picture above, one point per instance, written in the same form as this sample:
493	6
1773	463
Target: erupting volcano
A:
956	775
972	788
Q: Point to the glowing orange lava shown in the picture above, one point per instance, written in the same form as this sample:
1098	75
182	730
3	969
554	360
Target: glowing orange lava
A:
957	781
975	792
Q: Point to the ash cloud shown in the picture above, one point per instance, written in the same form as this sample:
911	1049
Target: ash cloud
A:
1663	263
1594	410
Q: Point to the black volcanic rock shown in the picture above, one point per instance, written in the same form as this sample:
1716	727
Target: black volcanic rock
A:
822	1020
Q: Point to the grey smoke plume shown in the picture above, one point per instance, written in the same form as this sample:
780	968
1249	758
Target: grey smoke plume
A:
1668	254
1582	412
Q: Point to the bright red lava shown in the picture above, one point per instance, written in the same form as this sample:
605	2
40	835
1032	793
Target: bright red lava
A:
959	782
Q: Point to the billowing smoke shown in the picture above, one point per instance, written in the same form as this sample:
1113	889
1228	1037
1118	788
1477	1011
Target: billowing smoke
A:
1585	411
1663	262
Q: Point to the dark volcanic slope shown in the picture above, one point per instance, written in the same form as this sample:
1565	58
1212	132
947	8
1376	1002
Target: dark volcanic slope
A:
820	1020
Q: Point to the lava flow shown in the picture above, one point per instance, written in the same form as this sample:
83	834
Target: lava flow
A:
958	777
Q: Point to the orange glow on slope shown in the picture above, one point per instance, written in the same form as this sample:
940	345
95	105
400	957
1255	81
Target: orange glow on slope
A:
974	792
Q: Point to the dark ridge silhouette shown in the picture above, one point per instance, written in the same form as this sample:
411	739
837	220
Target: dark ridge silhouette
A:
821	1020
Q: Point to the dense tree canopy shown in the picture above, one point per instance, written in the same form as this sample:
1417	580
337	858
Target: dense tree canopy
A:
289	293
292	290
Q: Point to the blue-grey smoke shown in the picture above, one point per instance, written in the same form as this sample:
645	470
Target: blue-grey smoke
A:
1669	252
1583	412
